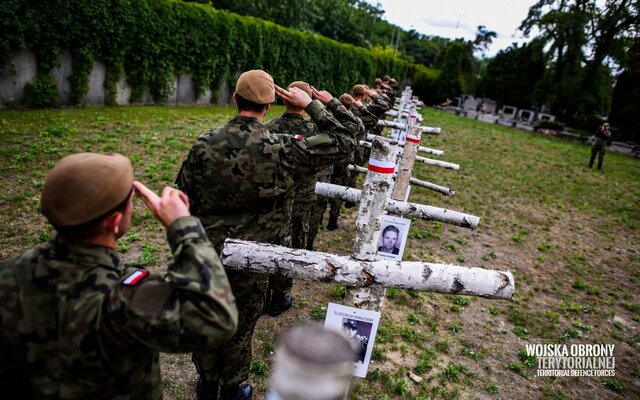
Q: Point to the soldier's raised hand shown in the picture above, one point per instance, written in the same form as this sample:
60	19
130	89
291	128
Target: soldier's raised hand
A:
322	95
172	205
294	96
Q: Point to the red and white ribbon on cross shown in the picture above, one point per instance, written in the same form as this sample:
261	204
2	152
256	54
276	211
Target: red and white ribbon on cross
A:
412	138
383	167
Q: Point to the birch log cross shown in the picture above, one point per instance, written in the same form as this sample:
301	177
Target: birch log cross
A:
360	270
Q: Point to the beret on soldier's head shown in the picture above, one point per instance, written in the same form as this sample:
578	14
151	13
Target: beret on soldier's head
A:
386	78
256	86
347	100
84	186
377	81
359	90
304	86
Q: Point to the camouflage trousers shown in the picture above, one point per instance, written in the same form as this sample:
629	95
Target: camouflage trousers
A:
341	176
317	212
229	364
599	150
300	219
279	284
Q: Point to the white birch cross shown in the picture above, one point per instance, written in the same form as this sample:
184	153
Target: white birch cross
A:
367	277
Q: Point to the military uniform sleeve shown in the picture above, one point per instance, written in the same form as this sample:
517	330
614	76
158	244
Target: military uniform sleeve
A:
185	177
192	308
368	119
344	116
378	105
333	142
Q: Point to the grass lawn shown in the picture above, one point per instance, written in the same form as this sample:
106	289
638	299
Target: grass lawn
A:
569	234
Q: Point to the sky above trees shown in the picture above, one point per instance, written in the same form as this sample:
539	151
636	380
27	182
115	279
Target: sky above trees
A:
460	18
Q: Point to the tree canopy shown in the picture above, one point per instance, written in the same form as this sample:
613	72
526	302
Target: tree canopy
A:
584	41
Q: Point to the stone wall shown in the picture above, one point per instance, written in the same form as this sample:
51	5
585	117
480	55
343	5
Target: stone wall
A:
15	76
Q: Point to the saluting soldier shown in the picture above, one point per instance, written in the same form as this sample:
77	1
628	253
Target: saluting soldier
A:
293	122
341	175
238	178
75	322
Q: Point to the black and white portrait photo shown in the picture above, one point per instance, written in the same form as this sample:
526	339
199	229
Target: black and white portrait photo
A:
359	326
393	237
358	332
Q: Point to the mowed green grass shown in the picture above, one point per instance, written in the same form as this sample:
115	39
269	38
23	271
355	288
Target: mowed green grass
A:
569	234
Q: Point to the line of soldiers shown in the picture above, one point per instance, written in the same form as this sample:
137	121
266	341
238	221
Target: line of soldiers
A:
75	322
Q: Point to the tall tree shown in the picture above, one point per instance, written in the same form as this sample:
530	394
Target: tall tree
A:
450	82
483	39
579	36
511	76
625	105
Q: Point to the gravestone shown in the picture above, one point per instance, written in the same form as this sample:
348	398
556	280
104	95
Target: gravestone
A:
488	106
507	116
525	115
470	104
546	117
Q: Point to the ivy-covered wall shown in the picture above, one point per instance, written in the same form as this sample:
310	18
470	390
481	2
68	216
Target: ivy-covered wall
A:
151	41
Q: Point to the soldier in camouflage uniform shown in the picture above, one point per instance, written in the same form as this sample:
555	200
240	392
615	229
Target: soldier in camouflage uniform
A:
392	83
383	87
77	323
239	178
375	104
319	206
369	121
341	174
602	136
293	122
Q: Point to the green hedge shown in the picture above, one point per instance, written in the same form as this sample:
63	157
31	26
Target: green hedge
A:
425	84
151	40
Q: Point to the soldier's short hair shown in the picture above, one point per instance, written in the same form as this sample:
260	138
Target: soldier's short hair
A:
247	105
359	90
347	100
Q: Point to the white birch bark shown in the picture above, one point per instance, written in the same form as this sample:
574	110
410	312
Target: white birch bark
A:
401	208
373	199
416	182
438	163
403	126
324	267
405	167
422	149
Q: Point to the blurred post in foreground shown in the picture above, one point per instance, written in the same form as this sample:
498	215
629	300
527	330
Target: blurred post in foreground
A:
311	363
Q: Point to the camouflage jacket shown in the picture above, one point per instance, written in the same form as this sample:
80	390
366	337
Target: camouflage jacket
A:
238	177
377	105
368	119
296	124
391	94
602	137
82	325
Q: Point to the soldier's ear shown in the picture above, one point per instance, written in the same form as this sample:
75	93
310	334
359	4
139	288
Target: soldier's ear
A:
112	222
235	98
